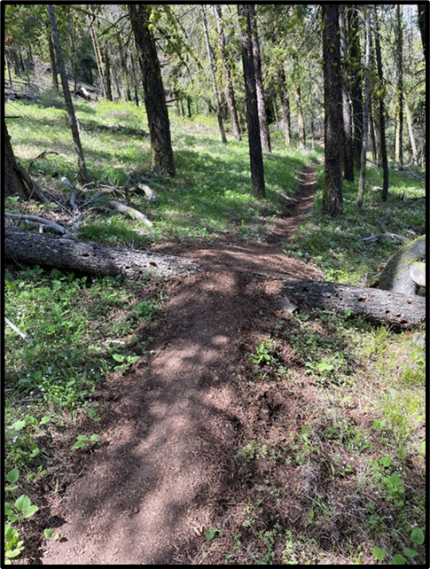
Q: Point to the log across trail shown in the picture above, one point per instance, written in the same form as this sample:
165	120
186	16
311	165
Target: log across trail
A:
90	257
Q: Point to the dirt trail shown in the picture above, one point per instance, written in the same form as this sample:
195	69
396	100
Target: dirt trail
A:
173	425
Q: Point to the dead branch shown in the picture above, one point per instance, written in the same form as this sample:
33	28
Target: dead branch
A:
40	220
150	194
131	212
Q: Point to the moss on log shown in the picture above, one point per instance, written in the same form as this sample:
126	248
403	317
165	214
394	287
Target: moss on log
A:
396	276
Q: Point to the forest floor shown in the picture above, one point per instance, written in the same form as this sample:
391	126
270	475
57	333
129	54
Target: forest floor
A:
165	472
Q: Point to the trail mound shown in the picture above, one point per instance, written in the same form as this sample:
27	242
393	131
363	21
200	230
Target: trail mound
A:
174	422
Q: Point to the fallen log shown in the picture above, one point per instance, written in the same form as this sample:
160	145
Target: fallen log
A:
89	257
404	311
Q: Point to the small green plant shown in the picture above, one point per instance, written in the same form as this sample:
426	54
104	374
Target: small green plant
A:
19	510
83	441
127	361
417	538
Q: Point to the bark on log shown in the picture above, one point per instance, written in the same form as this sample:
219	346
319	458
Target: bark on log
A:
90	257
403	311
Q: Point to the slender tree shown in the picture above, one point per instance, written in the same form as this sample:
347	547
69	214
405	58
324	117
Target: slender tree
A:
366	110
333	121
229	91
411	133
355	71
299	106
254	140
380	115
213	77
348	156
399	88
83	175
53	61
422	22
261	102
285	104
107	71
97	53
155	100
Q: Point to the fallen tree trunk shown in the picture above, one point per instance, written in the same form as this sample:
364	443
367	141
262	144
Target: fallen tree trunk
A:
403	311
89	257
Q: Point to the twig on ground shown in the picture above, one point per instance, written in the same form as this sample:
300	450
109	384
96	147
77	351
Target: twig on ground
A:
16	329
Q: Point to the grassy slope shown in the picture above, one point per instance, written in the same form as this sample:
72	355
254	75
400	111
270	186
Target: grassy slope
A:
83	328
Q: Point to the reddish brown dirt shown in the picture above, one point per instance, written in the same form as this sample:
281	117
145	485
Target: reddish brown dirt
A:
173	424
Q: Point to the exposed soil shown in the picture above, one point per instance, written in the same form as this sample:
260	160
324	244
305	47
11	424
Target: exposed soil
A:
164	472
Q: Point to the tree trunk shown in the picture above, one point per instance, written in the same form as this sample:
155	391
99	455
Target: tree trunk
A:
261	102
155	99
83	176
348	156
422	22
311	103
53	62
356	92
372	135
396	275
333	122
229	91
135	82
255	150
404	311
125	74
98	55
13	183
399	94
411	133
212	70
285	103
380	118
366	113
299	107
107	72
89	257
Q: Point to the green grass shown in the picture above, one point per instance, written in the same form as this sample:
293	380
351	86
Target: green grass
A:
210	196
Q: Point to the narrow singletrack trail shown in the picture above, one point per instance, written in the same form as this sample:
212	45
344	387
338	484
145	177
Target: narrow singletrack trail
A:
173	424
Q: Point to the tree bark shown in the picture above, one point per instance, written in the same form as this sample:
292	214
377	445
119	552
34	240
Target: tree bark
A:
212	71
254	140
89	257
333	121
396	275
261	102
82	175
380	115
404	311
155	99
229	91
